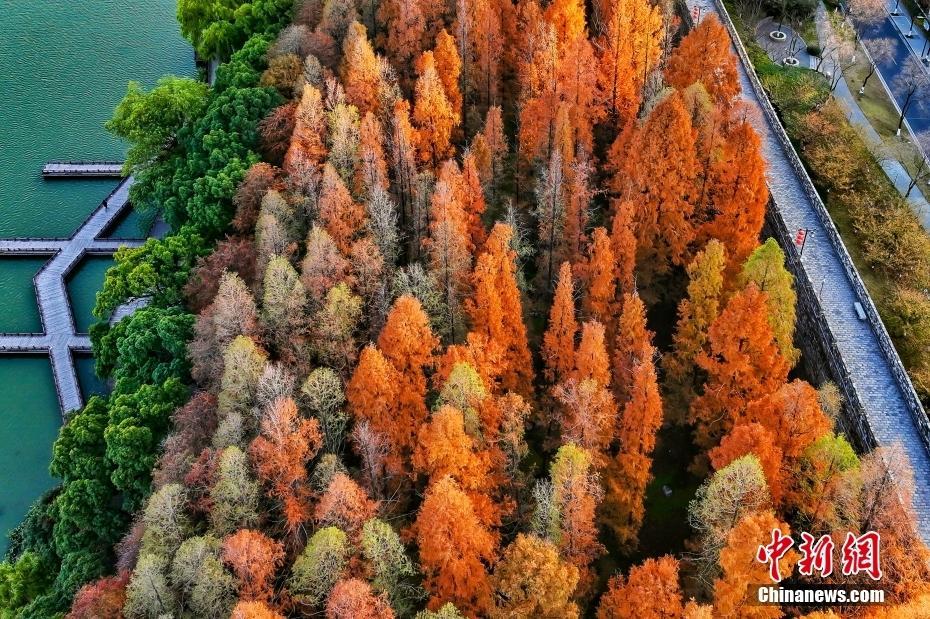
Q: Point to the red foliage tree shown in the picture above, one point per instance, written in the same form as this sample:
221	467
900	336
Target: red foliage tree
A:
280	454
254	559
455	549
354	599
558	348
101	598
496	311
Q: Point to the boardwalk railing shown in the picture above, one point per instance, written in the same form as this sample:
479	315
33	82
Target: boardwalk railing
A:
884	340
82	168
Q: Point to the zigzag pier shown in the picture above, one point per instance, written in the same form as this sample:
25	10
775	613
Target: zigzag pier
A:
60	338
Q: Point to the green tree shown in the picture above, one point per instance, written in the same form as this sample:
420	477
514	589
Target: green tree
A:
766	267
318	567
138	423
235	494
158	270
21	582
148	346
390	565
244	68
150	121
207	588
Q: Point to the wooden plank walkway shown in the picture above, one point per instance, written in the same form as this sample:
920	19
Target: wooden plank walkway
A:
59	337
90	169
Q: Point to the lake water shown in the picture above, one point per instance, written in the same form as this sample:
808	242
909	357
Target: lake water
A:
65	66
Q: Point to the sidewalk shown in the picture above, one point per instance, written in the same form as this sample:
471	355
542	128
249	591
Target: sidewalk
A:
844	96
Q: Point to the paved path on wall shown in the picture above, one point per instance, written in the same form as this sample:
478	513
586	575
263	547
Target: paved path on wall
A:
59	337
883	398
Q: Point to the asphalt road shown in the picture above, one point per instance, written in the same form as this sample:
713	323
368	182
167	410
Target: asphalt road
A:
918	114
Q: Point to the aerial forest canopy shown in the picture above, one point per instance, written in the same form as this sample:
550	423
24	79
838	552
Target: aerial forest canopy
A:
465	312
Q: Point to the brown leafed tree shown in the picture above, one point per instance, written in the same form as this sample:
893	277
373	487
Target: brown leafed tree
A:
455	549
496	310
704	56
558	347
280	454
254	559
651	591
531	580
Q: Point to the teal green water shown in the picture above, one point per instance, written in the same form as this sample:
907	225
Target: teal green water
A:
65	66
83	283
20	313
28	427
91	384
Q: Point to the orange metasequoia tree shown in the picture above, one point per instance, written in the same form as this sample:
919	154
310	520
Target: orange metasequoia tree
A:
353	599
445	449
651	591
756	439
591	359
371	168
455	549
704	56
280	454
737	193
740	568
742	362
473	200
340	215
632	345
629	49
659	173
496	311
599	276
406	31
254	610
361	77
793	415
254	558
558	347
407	342
630	473
567	513
372	394
344	505
623	246
308	147
588	416
449	66
433	114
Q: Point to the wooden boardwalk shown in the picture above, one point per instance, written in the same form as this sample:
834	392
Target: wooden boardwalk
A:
89	169
59	337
